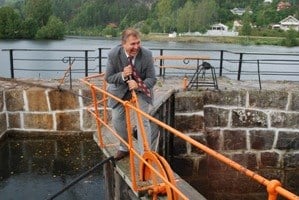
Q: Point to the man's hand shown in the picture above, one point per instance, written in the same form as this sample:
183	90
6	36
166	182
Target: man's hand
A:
132	84
127	71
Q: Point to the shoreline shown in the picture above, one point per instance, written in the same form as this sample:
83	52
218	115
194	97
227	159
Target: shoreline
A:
160	37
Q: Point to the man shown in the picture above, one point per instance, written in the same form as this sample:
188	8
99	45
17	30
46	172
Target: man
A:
122	79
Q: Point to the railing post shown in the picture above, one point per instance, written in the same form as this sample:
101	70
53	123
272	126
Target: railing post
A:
161	62
70	64
240	66
86	63
221	63
100	60
12	75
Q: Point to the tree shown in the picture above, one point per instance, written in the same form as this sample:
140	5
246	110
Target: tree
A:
206	13
164	14
40	10
29	28
10	23
54	29
186	18
246	28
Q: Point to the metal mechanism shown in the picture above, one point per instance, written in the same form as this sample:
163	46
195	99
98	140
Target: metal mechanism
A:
199	77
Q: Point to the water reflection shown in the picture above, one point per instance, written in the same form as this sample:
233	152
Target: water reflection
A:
38	168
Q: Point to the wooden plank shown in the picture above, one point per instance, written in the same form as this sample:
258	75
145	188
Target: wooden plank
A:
181	57
189	67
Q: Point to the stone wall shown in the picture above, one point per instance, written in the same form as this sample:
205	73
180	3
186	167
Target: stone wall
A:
258	129
49	110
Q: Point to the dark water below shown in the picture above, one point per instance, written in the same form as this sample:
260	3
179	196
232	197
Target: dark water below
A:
38	168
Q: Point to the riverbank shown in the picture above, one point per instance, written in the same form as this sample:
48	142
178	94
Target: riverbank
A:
243	40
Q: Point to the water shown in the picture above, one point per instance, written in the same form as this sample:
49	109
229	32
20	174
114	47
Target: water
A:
38	168
211	49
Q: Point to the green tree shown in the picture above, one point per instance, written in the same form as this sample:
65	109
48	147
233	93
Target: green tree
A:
246	28
206	13
40	10
29	28
54	29
10	23
186	19
164	14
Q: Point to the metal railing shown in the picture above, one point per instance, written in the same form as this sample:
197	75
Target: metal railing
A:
273	187
234	64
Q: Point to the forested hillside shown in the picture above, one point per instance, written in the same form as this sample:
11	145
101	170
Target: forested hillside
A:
55	18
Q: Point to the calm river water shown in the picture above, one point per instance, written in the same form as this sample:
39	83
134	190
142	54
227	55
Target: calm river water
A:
211	49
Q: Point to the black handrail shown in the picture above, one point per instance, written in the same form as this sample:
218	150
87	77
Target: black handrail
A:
82	176
227	62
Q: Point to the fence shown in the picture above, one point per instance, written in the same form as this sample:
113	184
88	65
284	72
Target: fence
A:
51	63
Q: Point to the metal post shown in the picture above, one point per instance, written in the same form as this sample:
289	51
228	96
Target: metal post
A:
221	63
86	63
12	75
100	60
240	66
70	68
161	62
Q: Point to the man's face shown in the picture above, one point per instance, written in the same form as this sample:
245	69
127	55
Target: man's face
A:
132	45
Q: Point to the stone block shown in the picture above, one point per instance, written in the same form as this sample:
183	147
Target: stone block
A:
294	102
89	121
249	118
213	139
37	100
14	120
215	117
17	162
201	139
261	139
189	101
291	160
182	165
37	150
227	98
3	124
284	120
63	100
268	99
288	140
292	181
14	100
234	140
68	121
189	123
38	121
248	160
87	97
180	146
269	159
1	101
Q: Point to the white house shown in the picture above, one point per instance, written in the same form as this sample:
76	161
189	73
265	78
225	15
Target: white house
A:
288	23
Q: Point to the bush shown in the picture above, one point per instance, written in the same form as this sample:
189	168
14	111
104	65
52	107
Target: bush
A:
29	28
10	23
54	29
110	31
290	39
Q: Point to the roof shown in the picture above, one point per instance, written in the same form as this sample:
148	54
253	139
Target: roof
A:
290	20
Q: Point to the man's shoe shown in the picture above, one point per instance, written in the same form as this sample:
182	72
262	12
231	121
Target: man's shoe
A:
120	155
